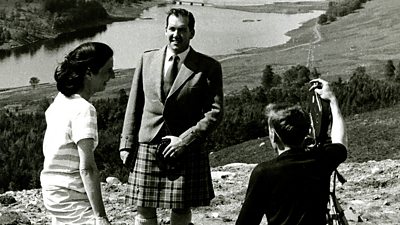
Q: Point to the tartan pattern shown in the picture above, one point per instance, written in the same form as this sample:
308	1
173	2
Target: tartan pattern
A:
150	187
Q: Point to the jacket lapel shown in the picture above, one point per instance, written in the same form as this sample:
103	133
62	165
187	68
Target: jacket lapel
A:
157	71
185	72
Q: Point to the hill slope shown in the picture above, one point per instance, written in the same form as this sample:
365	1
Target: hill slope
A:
368	37
370	197
372	135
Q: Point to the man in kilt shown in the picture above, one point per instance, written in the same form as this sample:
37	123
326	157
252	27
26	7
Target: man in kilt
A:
176	96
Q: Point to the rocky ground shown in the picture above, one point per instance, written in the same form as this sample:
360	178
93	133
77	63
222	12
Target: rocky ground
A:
371	196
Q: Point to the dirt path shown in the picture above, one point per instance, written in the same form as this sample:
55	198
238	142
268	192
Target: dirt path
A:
310	57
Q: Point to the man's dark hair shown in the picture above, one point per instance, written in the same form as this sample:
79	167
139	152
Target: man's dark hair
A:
291	124
181	12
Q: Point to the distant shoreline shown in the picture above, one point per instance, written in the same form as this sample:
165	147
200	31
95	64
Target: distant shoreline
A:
125	14
280	7
132	13
241	52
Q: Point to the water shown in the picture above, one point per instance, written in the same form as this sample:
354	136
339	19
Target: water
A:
250	2
218	31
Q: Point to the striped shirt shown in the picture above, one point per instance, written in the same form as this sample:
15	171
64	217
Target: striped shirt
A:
69	120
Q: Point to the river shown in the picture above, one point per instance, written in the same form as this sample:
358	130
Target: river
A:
218	32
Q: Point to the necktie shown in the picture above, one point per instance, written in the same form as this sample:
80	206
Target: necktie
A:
170	75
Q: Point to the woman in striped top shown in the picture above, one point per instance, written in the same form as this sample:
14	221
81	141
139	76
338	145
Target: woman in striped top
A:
70	178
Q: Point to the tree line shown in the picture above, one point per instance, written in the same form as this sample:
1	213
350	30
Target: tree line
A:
391	72
66	14
244	119
21	134
340	9
29	20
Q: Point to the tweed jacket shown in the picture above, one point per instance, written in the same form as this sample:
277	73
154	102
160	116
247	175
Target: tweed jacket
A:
192	109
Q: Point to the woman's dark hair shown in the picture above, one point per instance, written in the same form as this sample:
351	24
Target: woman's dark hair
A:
70	74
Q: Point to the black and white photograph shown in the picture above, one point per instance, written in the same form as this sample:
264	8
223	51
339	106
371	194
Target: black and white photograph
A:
199	112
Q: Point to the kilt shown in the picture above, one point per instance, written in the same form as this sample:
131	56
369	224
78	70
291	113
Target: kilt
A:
150	187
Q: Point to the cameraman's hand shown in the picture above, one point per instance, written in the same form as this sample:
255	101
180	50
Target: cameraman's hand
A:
322	88
338	129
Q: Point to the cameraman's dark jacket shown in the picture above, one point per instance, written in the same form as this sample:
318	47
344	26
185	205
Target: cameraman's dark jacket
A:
292	189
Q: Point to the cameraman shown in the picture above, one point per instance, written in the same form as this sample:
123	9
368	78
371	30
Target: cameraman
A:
294	187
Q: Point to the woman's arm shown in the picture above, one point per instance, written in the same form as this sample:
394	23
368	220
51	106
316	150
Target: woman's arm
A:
91	179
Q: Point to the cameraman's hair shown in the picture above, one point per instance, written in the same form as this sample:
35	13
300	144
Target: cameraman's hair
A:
292	124
183	13
70	74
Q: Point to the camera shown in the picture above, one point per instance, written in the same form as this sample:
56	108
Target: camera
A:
320	117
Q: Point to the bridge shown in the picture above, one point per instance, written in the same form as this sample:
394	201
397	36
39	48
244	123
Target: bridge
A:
191	2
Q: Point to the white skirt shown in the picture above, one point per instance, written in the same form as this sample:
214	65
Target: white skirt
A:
66	206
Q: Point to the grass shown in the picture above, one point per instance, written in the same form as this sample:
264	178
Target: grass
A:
29	97
372	135
281	7
367	37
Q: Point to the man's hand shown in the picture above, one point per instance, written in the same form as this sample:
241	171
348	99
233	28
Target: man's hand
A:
124	155
322	88
175	148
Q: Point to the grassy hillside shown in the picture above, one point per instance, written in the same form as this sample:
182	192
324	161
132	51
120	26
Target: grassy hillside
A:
280	7
27	97
372	135
368	37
